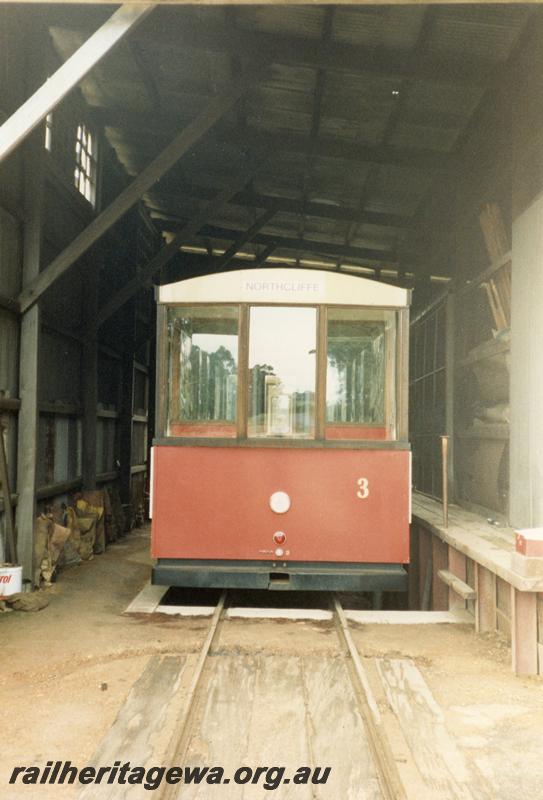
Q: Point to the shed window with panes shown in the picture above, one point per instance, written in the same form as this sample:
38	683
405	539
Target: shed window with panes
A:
86	165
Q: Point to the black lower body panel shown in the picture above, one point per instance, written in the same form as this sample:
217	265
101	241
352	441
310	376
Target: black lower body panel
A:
301	575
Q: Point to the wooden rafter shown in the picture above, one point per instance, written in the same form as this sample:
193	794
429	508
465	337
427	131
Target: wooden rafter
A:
264	254
291	205
297	244
244	238
168	251
183	142
36	108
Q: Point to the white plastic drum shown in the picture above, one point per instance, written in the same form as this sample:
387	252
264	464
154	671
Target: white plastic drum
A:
11	579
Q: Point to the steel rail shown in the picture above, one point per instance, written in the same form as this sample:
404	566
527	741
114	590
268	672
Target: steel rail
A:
385	763
178	747
387	772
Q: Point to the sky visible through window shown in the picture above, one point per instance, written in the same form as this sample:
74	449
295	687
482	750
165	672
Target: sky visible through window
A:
285	338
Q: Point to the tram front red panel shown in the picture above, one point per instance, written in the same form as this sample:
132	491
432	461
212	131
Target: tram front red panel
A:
346	505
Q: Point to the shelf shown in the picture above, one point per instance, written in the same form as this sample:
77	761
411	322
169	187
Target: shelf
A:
105	413
494	347
9	404
106	477
137	468
485	274
55	489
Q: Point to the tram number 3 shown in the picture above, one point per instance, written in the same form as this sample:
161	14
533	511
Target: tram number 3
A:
363	488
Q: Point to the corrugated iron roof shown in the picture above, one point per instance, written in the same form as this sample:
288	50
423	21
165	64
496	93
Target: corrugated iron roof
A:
362	101
389	27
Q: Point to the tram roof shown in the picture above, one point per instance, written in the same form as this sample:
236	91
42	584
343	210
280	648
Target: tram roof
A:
284	285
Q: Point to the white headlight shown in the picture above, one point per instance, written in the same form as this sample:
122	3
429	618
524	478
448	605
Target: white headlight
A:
280	502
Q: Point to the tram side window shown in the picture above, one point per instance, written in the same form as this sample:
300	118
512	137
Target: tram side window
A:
202	368
282	371
360	373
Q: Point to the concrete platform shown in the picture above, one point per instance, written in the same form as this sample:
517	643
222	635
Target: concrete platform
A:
150	601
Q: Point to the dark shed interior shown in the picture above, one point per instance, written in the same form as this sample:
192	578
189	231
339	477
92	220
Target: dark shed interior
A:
397	142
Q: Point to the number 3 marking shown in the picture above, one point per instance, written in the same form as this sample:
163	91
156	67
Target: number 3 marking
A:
363	488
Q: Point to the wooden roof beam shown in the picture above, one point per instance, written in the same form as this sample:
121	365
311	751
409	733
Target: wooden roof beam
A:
293	243
185	232
183	142
312	208
229	254
264	254
49	95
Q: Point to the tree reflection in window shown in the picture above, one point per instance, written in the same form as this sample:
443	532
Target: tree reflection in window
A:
357	354
203	346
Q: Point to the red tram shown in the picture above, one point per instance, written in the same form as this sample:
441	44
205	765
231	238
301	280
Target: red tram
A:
281	458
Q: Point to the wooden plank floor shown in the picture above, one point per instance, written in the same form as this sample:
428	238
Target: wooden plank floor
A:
283	711
291	707
441	764
139	723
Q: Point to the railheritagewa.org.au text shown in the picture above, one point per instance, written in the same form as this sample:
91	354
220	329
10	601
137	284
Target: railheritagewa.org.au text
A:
151	778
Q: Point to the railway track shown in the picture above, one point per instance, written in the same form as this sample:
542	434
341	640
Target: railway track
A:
390	784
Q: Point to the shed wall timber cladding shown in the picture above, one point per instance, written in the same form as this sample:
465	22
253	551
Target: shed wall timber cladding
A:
10	254
62	310
10	282
106	445
10	268
109	370
60	369
60	229
59	449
